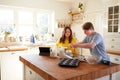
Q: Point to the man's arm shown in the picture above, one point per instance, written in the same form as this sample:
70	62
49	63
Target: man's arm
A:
83	45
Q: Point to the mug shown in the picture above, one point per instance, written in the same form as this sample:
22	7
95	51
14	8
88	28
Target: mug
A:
69	52
61	52
53	52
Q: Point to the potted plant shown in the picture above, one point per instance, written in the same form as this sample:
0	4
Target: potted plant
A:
80	6
7	33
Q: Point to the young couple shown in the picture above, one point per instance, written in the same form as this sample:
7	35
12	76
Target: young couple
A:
93	41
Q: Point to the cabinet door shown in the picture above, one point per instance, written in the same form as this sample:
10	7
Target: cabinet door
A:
112	41
113	18
11	67
39	77
0	63
29	74
115	58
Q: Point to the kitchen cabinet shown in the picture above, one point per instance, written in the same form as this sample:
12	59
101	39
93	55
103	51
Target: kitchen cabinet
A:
112	32
115	59
11	67
112	41
31	75
0	64
113	18
43	65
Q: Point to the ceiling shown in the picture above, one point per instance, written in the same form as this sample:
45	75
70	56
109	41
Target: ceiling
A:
67	0
80	0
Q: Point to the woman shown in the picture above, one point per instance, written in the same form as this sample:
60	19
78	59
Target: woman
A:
94	42
66	39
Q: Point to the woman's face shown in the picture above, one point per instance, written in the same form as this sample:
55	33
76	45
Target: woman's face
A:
67	33
88	32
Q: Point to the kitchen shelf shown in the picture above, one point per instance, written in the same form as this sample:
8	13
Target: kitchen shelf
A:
75	12
77	16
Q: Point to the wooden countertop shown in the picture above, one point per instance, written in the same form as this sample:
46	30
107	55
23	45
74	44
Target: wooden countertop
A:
13	48
113	52
48	68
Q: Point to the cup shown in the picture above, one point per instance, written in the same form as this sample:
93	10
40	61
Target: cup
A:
53	52
69	53
61	52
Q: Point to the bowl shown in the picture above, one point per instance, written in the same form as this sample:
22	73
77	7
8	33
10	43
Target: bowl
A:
91	59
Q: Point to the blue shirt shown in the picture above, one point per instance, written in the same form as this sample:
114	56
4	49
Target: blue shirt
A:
98	51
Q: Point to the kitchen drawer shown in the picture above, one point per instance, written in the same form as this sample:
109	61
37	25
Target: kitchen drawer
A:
112	35
115	40
115	58
112	40
113	47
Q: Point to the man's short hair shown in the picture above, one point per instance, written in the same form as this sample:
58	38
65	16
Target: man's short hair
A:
87	26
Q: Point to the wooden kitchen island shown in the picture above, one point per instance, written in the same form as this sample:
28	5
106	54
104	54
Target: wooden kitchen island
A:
48	68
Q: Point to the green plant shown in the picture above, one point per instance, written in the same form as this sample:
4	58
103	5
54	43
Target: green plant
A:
7	33
80	5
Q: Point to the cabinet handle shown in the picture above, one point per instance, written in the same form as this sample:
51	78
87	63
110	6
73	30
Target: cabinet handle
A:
116	59
12	53
112	46
112	39
30	72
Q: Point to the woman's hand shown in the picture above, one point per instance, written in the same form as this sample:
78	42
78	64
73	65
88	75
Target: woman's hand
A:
73	45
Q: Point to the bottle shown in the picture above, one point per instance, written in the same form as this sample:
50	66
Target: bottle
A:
32	39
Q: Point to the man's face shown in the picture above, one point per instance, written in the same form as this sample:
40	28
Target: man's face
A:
88	32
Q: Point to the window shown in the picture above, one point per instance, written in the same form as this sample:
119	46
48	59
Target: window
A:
113	19
6	21
25	22
42	23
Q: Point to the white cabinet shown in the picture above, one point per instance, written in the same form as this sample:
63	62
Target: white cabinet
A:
31	75
115	59
113	18
112	41
0	64
115	76
11	67
112	28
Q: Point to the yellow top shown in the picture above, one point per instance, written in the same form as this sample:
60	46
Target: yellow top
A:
66	44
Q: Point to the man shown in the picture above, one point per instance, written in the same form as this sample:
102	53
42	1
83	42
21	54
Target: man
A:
94	42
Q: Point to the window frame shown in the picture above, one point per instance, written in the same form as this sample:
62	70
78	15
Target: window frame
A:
34	11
